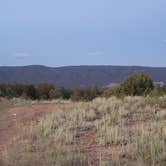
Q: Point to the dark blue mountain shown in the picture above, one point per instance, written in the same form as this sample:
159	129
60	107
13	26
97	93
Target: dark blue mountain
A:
77	76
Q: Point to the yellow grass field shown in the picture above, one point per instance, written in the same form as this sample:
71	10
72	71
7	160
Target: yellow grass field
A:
104	132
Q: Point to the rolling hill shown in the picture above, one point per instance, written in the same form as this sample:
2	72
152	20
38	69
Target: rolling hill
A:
77	76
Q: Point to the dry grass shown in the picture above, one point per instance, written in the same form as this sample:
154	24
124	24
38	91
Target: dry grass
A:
129	131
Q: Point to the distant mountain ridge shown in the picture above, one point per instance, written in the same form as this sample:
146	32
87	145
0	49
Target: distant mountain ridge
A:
77	76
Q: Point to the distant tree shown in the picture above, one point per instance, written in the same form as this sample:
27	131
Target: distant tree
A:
31	92
2	90
137	84
55	93
86	94
113	91
77	95
91	93
66	93
43	90
15	90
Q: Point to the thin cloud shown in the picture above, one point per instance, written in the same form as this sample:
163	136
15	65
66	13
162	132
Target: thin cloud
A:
96	53
22	55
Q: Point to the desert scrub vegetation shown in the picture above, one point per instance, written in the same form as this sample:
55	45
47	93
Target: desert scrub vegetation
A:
105	131
149	145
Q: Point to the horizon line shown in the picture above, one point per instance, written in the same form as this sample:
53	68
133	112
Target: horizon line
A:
97	65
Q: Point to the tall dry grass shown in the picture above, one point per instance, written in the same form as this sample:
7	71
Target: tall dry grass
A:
136	126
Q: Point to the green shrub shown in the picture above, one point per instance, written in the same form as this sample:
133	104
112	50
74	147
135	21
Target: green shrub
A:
137	84
113	91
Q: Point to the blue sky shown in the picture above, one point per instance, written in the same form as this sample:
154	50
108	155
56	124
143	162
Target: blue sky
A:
83	32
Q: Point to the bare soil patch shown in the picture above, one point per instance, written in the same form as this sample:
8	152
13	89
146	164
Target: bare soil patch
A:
12	119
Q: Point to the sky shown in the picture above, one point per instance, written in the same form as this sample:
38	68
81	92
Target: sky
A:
83	32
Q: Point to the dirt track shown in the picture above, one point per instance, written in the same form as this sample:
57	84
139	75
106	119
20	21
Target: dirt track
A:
12	119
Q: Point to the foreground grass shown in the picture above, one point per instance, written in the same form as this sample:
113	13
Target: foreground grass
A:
129	131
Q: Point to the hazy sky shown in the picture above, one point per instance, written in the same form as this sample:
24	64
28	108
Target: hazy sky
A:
83	32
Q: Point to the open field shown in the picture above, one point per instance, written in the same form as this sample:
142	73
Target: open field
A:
17	113
128	131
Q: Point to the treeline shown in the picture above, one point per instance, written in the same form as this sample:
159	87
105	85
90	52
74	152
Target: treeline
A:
138	84
47	92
